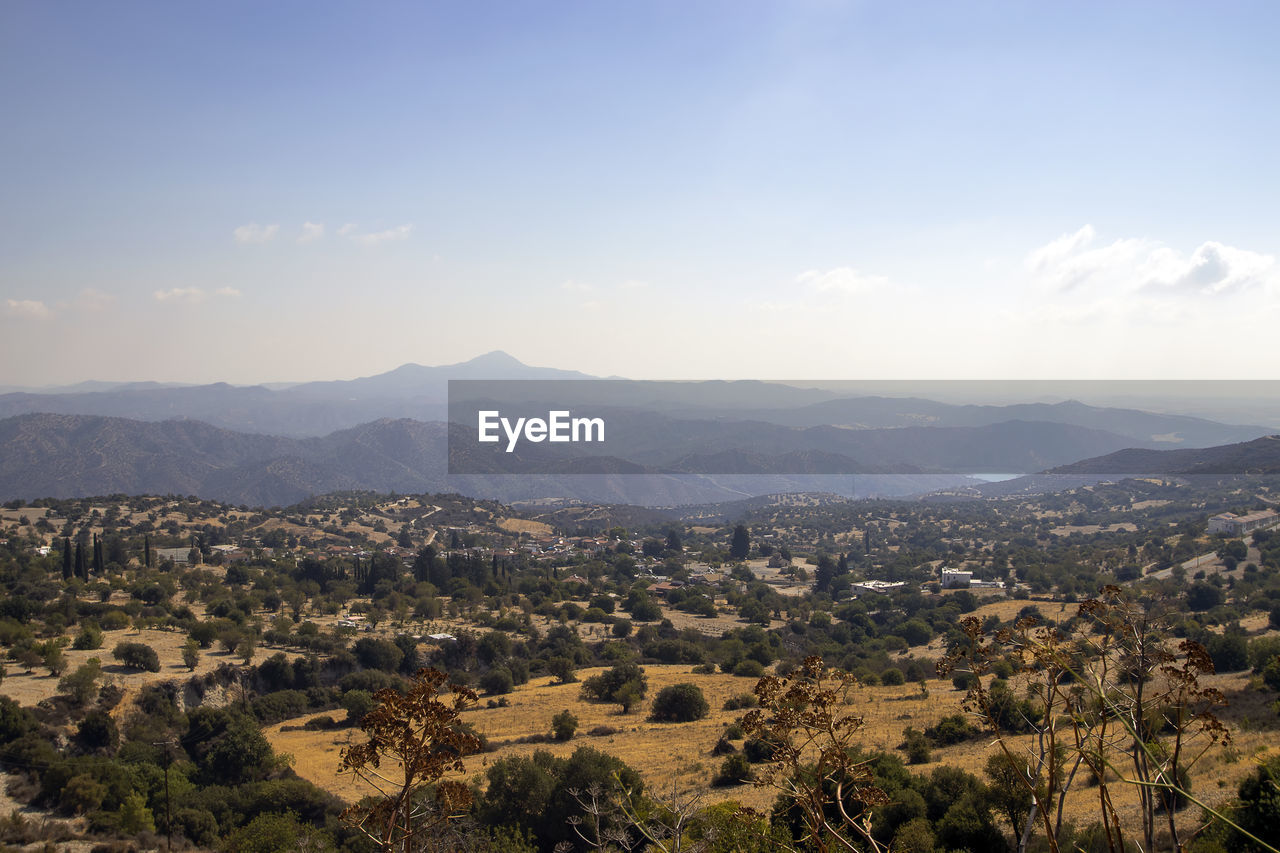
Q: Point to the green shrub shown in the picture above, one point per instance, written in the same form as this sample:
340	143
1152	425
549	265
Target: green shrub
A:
916	747
82	684
204	633
89	637
114	620
280	705
357	703
646	610
497	681
757	750
197	825
736	770
624	684
952	729
82	794
680	703
563	725
137	656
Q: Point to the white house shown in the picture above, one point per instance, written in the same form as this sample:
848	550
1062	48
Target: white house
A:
1238	525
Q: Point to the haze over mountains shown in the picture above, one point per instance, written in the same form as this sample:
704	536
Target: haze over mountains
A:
699	442
304	409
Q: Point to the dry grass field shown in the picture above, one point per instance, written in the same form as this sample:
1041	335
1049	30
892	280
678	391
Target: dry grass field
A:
681	752
31	513
30	687
524	525
782	584
712	626
663	752
1068	529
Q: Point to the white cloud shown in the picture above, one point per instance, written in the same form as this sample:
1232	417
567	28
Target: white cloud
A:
180	294
347	230
227	291
397	233
1055	251
26	308
841	280
311	231
1138	264
256	234
576	286
1068	262
1212	268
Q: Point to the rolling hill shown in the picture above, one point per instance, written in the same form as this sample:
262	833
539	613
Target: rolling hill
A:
1260	456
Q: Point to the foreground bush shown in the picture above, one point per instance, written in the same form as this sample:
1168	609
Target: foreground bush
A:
680	703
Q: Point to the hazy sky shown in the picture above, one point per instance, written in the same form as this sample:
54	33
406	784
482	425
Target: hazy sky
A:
287	191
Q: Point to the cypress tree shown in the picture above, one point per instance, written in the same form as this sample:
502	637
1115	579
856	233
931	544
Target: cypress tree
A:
97	555
81	569
67	566
422	564
740	546
824	573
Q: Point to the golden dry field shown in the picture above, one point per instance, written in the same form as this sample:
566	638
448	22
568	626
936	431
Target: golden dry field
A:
681	752
30	687
1068	529
661	751
524	525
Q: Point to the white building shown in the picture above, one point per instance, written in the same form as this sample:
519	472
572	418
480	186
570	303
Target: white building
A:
956	579
1238	525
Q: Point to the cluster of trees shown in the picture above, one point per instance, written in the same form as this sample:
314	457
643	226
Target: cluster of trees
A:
207	775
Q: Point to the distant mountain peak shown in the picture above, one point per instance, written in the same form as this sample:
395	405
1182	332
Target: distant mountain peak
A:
495	359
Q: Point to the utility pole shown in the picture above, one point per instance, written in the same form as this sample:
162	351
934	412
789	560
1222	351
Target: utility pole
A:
168	821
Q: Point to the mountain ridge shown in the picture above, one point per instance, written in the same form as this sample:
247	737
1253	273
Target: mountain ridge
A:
1259	456
298	410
